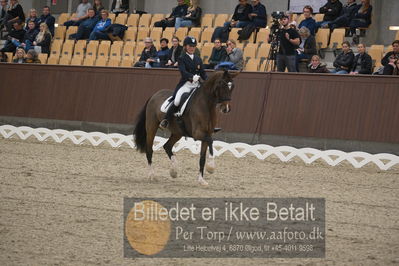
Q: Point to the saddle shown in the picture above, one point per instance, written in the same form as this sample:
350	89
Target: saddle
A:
184	102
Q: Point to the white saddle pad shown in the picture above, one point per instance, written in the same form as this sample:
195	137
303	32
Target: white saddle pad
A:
168	102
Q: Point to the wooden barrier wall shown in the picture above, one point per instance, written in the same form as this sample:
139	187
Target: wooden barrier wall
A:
364	108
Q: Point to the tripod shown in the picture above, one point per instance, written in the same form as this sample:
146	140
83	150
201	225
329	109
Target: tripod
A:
272	56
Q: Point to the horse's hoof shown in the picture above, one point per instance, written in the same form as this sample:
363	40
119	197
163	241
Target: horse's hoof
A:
173	172
202	181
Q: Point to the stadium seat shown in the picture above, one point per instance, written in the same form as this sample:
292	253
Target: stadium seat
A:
52	60
220	19
139	49
56	47
91	50
206	52
337	38
250	51
76	61
71	30
376	52
252	65
126	62
266	67
64	61
168	33
88	61
130	34
142	33
103	49
43	58
207	22
112	17
113	62
116	51
263	51
194	32
319	17
156	34
10	57
80	47
234	33
181	33
121	19
263	35
397	35
300	18
101	61
59	33
322	37
64	17
206	35
145	20
133	20
128	50
67	49
155	18
240	45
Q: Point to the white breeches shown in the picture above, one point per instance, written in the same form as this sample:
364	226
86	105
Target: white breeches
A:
186	88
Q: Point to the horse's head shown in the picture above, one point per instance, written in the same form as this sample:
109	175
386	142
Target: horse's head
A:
223	90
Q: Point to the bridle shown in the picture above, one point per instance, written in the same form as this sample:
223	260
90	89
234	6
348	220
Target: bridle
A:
230	86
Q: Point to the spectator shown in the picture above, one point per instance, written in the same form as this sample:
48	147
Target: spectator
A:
331	11
361	19
394	53
31	57
240	17
3	57
32	17
120	6
308	22
3	12
148	55
174	52
289	41
29	37
98	32
344	60
193	17
347	13
316	66
218	55
162	56
178	12
234	55
392	68
81	14
258	16
15	12
307	48
47	18
86	26
43	40
98	7
362	64
16	34
19	57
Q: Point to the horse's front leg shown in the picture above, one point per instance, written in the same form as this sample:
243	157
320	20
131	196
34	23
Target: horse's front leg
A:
210	166
204	146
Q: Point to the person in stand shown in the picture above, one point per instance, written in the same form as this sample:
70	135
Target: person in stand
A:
218	55
86	27
98	32
344	60
174	53
43	40
258	15
308	22
32	17
162	54
29	38
361	19
148	54
178	12
47	18
394	53
331	11
316	66
240	17
32	58
191	70
347	13
193	17
120	6
81	14
3	12
19	57
98	7
307	48
17	34
15	13
362	64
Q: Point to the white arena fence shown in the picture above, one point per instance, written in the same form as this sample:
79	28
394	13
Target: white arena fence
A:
384	161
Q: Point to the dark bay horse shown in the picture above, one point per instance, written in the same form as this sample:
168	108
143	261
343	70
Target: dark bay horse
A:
199	120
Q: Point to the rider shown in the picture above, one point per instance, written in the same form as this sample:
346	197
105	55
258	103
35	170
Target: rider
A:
191	69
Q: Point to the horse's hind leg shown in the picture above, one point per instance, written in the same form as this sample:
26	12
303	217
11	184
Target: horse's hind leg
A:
204	147
151	128
168	146
210	166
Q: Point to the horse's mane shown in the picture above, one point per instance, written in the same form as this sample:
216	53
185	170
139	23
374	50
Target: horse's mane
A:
208	84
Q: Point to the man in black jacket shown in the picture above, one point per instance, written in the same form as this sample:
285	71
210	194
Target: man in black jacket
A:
347	13
331	11
178	12
191	70
362	64
240	17
47	18
393	53
17	34
120	6
3	12
218	55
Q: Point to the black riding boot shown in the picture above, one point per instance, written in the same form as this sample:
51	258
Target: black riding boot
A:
168	116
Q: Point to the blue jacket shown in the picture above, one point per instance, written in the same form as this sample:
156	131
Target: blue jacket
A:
102	25
309	23
260	19
163	55
49	20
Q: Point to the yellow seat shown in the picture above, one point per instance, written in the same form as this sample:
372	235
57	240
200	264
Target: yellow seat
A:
76	61
206	35
112	17
126	62
71	30
263	51
267	67
207	22
156	18
139	49
319	17
121	19
337	38
56	47
206	52
234	33
103	49
250	51
113	62
145	20
116	50
252	65
128	50
397	35
91	51
181	33
220	19
263	35
142	33
130	35
43	58
59	33
194	32
64	17
80	47
168	33
101	61
322	37
64	61
88	61
300	18
133	20
156	34
67	49
52	60
376	52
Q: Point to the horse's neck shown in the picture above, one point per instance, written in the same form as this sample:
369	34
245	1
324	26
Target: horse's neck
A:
205	101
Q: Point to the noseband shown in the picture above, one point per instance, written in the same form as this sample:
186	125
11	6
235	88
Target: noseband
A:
229	85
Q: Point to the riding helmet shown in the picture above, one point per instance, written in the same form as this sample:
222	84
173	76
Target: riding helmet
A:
190	41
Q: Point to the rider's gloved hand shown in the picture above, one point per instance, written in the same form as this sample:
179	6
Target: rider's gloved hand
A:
196	78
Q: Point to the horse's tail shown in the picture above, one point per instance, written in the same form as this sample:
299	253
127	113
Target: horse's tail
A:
140	132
